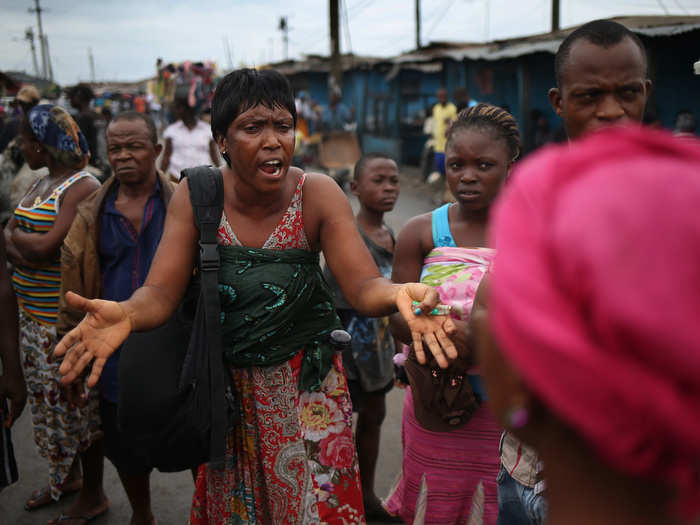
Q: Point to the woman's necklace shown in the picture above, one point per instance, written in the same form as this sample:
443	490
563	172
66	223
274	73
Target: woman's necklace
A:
41	190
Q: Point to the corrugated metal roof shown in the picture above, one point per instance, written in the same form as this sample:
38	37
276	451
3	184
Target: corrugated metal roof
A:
651	26
322	64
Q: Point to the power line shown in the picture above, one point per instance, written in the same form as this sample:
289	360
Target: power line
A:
346	23
359	6
449	4
666	12
677	2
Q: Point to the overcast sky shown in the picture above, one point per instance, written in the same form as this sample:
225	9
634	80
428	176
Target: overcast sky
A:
127	36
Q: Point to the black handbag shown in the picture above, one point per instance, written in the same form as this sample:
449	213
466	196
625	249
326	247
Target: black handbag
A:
176	396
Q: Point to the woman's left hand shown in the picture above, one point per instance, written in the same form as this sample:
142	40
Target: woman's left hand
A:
424	326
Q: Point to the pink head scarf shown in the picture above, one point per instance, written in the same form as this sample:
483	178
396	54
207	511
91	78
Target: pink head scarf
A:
595	296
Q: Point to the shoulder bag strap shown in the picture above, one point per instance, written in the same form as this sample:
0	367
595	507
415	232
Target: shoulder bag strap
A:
207	197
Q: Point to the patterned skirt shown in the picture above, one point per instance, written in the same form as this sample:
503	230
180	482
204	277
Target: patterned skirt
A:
451	466
59	431
290	459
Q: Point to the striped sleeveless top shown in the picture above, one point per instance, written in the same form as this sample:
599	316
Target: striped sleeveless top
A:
38	288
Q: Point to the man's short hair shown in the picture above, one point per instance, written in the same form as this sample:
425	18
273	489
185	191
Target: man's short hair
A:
135	115
362	163
82	91
603	33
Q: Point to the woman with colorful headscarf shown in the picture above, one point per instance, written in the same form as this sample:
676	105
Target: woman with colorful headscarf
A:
52	139
590	347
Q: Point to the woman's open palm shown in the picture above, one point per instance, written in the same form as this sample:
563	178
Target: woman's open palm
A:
425	328
105	326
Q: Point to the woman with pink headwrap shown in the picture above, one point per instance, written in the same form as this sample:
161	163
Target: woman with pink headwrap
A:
591	345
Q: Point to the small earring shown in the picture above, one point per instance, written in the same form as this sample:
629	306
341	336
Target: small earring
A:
223	152
517	418
38	150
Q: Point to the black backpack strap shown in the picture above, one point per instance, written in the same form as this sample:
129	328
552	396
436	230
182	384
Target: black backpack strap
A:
207	198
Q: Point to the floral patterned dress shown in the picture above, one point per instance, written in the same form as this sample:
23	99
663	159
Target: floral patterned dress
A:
61	432
291	457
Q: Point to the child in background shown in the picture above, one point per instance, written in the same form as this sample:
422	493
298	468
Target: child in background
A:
368	361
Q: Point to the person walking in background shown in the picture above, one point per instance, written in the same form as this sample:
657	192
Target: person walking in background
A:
462	99
13	391
368	360
447	249
540	132
80	97
685	124
336	116
188	142
444	112
15	176
588	344
27	97
52	139
106	255
305	115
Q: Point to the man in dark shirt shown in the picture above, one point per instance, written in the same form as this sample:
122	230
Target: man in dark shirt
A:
80	97
107	255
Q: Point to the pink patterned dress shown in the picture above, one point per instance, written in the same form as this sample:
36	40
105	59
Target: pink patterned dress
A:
450	477
291	458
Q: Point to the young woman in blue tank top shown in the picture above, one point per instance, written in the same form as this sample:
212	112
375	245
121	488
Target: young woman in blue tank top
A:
455	470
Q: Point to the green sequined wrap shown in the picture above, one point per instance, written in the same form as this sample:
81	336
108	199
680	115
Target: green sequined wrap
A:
273	304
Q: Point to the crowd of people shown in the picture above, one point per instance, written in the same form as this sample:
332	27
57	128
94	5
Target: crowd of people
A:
550	358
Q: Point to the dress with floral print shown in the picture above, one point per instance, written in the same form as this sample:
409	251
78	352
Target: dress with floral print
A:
291	457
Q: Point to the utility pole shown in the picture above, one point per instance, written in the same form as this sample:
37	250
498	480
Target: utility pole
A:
92	64
417	24
44	63
49	67
284	27
555	15
29	36
335	79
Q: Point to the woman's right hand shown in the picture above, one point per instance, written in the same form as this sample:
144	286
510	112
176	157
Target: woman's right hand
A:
105	326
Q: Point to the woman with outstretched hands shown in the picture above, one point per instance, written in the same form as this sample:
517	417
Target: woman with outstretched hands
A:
291	457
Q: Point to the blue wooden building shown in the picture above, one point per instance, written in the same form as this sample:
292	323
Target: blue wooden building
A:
391	96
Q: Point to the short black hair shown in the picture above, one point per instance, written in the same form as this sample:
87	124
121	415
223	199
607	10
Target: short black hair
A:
135	115
246	88
604	33
82	91
362	163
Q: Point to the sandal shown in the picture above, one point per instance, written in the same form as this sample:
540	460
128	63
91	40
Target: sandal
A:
86	518
42	497
381	515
